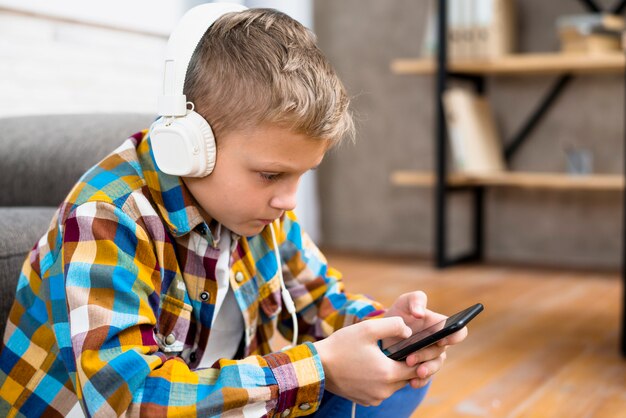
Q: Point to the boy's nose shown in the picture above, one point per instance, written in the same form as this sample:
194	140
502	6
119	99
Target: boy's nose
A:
284	201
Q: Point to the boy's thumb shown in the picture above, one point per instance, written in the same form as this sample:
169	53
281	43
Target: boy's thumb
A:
393	326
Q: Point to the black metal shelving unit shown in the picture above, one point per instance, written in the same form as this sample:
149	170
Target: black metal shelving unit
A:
443	190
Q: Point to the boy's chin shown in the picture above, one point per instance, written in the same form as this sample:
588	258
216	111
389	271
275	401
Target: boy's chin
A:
248	230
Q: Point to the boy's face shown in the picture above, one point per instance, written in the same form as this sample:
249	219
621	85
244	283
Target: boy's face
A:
255	177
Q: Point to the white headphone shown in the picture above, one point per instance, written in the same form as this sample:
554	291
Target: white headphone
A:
183	143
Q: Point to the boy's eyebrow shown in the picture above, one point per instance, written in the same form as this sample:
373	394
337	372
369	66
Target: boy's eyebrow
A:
283	167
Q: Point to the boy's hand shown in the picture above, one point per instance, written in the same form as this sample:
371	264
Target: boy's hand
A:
356	368
411	307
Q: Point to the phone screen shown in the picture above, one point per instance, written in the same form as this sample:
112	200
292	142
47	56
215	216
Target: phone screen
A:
444	328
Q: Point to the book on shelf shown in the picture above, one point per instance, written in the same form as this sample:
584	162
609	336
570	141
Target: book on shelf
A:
474	140
458	29
477	29
495	26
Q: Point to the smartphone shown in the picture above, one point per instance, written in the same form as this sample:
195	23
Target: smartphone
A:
432	334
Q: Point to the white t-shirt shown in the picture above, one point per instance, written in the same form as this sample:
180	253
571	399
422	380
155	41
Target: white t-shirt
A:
227	327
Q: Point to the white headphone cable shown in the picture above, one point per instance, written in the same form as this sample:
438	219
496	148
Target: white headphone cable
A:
291	308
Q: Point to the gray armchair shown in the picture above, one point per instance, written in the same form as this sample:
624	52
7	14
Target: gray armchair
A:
41	158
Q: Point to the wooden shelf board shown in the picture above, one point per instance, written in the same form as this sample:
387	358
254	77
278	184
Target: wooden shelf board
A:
546	63
515	179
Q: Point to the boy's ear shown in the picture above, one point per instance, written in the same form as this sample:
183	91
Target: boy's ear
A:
183	146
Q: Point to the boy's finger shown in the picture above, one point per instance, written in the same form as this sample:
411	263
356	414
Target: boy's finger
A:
425	354
400	372
393	326
417	303
418	383
429	368
455	338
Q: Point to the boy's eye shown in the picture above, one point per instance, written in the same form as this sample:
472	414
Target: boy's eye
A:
269	176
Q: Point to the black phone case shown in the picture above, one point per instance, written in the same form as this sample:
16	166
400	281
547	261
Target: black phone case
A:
465	316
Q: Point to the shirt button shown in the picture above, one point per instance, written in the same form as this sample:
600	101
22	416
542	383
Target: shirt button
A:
239	277
170	339
286	413
305	406
192	358
205	296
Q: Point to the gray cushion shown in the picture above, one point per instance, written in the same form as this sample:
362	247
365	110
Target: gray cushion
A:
20	229
43	156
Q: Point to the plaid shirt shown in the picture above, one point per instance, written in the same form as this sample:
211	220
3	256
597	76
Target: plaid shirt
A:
112	313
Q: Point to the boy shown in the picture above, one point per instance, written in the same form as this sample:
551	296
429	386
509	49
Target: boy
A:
157	288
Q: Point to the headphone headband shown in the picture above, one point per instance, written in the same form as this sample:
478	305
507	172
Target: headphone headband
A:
180	47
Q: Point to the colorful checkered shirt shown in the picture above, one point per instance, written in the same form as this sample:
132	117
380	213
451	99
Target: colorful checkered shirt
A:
112	314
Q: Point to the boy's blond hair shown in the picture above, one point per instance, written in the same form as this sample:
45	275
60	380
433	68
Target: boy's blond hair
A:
261	66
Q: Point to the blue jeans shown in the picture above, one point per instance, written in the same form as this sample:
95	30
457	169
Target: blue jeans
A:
400	404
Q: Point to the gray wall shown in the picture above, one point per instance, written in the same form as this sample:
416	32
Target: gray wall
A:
362	211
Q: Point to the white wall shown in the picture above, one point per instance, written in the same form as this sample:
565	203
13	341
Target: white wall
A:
55	66
153	16
301	10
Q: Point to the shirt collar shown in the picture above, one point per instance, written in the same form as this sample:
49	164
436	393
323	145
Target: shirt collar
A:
174	202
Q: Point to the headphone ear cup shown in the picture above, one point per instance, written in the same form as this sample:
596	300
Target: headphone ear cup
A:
183	146
206	143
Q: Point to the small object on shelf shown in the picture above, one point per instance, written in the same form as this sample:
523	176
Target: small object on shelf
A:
475	143
579	161
592	33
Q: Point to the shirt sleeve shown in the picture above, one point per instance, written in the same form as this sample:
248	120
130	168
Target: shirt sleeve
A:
113	283
318	292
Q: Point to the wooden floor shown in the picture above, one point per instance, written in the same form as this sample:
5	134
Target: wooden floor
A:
545	346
